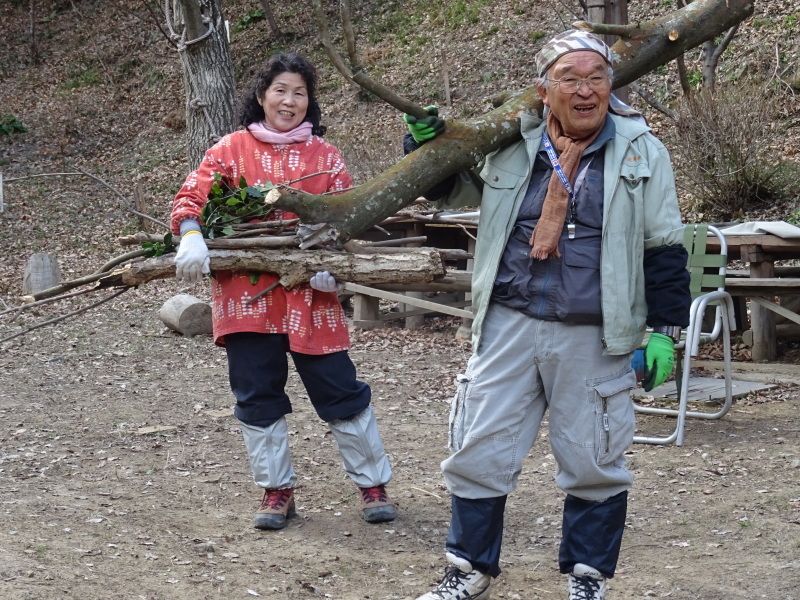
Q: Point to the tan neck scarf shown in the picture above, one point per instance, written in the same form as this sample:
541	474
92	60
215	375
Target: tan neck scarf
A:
544	240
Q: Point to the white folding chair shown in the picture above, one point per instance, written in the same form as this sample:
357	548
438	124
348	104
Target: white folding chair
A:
707	289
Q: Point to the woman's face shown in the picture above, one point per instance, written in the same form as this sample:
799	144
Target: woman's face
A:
286	101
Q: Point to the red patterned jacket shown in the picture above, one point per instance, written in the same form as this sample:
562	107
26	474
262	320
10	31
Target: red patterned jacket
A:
314	321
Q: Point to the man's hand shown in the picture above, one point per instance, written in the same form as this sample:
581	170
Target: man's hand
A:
427	128
325	282
659	358
192	261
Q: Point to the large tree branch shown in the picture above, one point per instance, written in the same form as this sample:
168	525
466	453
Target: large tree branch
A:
461	147
642	47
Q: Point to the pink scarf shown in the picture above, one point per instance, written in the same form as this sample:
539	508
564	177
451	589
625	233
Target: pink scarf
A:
267	133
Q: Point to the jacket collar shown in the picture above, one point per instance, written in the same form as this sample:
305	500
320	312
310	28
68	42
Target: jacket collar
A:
531	126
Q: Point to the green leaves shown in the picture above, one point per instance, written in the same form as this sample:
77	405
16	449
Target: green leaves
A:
159	248
10	124
232	205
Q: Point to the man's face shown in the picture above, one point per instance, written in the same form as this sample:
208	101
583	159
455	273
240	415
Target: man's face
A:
582	112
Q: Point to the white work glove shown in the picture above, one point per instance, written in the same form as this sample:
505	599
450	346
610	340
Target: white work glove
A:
325	282
192	261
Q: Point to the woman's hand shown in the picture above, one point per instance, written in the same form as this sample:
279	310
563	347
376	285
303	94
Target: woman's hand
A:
325	282
192	261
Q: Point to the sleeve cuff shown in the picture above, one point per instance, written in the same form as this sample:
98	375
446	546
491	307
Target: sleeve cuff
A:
188	225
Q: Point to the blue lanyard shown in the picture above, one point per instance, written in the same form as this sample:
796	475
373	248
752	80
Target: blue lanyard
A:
564	181
557	165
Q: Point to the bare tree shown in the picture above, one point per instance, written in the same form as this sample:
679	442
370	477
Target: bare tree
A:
197	27
712	51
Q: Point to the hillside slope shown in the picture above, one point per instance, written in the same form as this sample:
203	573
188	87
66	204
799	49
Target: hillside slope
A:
106	97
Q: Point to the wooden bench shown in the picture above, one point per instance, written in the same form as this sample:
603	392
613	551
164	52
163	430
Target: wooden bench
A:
763	286
366	313
759	252
762	291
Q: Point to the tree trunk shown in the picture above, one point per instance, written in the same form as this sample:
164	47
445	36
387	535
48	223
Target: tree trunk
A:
33	43
207	75
641	48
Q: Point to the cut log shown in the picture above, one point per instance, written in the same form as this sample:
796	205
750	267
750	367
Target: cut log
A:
186	315
418	265
41	272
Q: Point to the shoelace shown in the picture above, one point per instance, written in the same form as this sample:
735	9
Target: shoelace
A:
454	579
275	499
585	588
374	494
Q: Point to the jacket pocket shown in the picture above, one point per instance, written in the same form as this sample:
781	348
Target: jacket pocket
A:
614	417
456	421
633	173
581	282
499	178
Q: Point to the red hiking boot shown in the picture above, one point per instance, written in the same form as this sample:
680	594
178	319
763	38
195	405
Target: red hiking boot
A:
376	506
276	507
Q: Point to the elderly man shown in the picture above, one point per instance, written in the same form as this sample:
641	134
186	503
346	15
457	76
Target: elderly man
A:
578	251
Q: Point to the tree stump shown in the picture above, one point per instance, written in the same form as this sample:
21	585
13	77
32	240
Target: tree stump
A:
42	272
186	315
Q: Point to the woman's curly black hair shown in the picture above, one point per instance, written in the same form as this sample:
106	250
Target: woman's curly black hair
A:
250	111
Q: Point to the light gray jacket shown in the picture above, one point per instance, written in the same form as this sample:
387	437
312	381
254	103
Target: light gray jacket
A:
640	212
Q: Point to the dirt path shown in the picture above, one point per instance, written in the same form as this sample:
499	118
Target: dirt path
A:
94	509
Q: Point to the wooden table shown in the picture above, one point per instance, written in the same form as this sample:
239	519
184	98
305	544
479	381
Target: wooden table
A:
760	251
457	240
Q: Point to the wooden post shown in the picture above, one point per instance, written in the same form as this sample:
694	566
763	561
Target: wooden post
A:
366	312
761	319
41	273
414	321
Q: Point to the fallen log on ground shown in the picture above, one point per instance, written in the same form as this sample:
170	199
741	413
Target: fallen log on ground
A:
187	315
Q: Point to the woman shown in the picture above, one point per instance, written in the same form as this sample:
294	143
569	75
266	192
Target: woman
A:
281	143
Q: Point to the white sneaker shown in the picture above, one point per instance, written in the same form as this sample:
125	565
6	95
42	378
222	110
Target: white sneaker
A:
586	583
460	582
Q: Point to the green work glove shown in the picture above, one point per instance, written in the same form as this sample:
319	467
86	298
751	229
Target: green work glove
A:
659	358
424	130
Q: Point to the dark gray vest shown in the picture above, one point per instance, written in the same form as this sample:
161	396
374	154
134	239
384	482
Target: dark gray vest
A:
566	288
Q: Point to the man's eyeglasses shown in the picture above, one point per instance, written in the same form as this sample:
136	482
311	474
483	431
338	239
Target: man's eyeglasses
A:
570	85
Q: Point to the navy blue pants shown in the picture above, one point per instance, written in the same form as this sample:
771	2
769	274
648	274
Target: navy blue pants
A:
258	369
591	532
